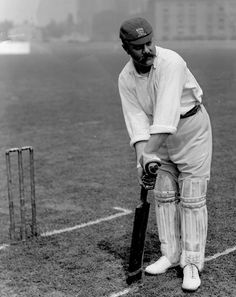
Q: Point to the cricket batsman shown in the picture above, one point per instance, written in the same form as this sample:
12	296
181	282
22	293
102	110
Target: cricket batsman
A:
168	123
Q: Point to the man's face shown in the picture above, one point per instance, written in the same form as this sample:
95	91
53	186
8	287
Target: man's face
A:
142	54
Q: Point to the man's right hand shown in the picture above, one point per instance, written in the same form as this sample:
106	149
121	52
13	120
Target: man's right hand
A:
145	180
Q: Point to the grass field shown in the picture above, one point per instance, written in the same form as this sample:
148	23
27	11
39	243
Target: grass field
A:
65	104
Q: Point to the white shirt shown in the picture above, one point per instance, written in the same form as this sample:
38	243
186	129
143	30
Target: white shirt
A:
153	104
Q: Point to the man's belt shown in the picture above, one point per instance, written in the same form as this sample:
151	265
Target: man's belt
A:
191	112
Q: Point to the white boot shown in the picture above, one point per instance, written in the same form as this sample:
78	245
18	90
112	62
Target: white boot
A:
191	281
160	266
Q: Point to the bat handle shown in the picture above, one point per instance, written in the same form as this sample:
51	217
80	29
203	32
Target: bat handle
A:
152	167
143	194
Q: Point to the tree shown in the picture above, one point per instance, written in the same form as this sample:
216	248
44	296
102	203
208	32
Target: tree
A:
70	24
106	25
4	29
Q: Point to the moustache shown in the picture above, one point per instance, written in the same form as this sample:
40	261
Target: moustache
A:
145	56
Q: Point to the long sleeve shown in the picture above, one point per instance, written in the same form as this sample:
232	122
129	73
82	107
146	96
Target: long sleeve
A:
137	122
169	89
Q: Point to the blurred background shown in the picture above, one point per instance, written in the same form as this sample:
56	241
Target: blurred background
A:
99	20
59	94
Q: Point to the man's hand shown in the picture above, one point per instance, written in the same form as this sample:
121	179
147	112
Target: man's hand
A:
150	162
145	180
147	165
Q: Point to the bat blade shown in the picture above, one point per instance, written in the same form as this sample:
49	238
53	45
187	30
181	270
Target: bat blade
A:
138	239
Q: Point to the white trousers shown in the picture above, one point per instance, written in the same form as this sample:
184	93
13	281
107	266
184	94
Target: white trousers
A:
180	191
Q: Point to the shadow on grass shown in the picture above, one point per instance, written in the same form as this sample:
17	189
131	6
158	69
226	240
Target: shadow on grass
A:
120	248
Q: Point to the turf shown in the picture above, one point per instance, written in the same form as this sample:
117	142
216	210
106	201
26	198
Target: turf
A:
64	102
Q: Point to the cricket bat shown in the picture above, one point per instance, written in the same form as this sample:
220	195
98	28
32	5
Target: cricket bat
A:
135	271
138	239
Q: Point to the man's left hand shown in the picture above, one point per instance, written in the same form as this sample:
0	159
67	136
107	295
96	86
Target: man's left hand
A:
149	181
145	180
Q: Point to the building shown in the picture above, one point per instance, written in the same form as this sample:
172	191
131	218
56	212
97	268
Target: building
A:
55	11
172	19
194	19
25	32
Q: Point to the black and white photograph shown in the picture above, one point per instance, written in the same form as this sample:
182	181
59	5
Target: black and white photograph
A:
117	156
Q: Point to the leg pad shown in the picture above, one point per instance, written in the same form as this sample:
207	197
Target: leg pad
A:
194	222
167	216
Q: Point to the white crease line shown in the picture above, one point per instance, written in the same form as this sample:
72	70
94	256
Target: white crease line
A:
217	255
4	246
124	292
124	212
88	123
207	259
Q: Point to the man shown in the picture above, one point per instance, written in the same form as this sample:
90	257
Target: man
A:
167	123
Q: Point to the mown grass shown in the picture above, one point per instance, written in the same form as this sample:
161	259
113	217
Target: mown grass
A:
66	105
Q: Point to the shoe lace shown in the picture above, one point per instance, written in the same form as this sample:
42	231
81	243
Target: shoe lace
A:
194	271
